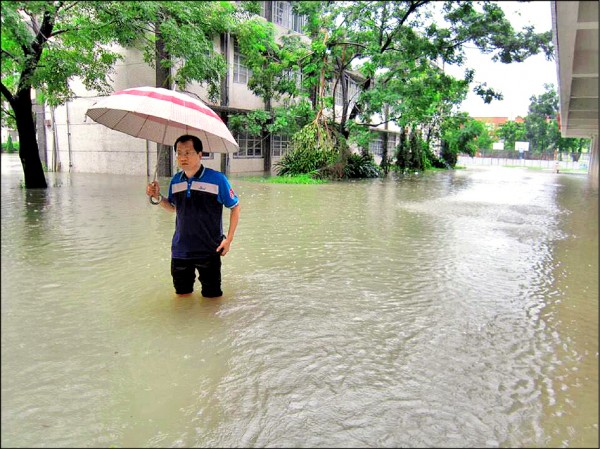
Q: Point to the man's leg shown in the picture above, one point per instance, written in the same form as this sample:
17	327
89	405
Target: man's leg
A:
184	274
209	271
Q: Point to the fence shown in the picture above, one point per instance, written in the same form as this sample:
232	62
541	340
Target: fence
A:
581	164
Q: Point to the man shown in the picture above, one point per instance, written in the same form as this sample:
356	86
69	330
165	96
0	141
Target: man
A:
197	195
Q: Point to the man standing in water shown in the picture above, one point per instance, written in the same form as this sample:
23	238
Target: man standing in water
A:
197	195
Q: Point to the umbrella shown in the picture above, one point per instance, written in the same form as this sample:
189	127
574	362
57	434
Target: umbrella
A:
161	116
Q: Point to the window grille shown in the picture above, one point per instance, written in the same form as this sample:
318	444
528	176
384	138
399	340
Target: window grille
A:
391	145
283	15
376	146
241	74
250	146
280	144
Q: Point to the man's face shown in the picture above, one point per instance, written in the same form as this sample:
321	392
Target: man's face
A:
187	158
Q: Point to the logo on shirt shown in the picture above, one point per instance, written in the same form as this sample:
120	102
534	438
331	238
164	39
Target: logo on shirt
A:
231	194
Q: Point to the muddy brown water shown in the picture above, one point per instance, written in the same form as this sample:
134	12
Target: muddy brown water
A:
446	309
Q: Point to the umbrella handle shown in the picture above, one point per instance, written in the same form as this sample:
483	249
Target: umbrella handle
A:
160	197
155	201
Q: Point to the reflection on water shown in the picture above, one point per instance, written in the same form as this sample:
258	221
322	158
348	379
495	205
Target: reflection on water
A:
452	309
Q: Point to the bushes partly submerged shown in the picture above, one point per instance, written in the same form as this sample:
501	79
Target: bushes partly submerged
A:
323	153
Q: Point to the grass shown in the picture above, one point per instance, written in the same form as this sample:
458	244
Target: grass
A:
297	179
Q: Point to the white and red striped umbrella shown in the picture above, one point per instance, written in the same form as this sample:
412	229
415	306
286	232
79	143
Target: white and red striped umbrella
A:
162	115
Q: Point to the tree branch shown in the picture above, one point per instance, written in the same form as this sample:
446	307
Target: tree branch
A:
9	97
10	55
9	113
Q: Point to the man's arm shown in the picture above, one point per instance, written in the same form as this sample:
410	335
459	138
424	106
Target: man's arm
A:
234	218
164	203
153	190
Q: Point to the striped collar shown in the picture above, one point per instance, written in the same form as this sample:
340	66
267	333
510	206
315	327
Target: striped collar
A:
197	175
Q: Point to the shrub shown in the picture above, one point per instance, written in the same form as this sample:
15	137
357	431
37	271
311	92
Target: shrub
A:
9	146
361	166
312	149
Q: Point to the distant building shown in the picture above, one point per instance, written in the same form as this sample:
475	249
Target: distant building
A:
493	123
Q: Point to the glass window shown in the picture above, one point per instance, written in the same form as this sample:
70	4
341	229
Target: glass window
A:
391	143
298	22
240	71
339	95
250	146
353	90
281	13
376	146
284	16
280	144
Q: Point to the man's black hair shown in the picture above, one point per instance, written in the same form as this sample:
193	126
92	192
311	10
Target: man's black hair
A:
186	137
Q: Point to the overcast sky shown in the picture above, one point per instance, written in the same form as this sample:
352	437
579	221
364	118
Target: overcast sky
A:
517	81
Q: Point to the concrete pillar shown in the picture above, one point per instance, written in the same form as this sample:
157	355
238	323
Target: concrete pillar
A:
593	170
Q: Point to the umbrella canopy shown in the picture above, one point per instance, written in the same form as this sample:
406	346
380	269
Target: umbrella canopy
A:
162	115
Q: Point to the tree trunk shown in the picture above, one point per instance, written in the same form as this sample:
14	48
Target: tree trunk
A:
266	138
225	44
164	153
28	147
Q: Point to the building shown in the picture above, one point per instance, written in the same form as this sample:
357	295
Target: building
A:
494	123
74	142
575	34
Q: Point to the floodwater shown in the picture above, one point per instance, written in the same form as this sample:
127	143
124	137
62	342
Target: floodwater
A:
447	309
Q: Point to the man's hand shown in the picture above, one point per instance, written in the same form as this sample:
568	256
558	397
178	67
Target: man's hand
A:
224	247
153	189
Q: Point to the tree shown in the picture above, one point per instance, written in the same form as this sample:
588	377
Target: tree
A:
459	135
46	44
398	48
543	109
511	132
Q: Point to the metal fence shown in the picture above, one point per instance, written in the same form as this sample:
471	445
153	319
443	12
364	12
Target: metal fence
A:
550	164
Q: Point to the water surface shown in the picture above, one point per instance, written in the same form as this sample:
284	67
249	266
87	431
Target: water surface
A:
447	309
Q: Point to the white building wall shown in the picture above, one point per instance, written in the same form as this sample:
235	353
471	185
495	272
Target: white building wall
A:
77	143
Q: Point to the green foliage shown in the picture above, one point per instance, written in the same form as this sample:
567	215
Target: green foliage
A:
287	179
9	146
432	161
287	119
80	37
291	117
361	166
542	110
511	132
459	135
253	122
393	45
416	153
485	139
313	149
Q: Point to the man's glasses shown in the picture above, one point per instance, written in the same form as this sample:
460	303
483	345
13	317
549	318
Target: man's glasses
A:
186	154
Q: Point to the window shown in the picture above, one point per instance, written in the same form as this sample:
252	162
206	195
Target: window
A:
352	87
391	144
298	22
284	16
339	95
280	144
240	71
293	76
353	90
376	146
250	146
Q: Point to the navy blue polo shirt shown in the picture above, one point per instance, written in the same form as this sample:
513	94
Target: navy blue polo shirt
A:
199	203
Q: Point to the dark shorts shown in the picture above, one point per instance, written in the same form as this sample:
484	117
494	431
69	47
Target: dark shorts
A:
209	274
